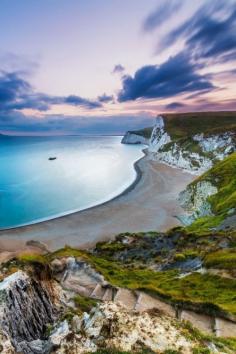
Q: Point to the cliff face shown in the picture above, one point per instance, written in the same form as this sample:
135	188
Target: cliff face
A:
212	197
194	200
189	143
133	138
159	136
195	153
27	307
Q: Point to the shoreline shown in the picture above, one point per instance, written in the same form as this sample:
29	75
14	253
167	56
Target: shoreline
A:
149	203
62	215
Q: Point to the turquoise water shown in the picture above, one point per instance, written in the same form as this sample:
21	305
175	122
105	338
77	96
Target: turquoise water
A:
87	172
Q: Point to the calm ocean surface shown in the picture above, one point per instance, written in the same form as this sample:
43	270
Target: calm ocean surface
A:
87	172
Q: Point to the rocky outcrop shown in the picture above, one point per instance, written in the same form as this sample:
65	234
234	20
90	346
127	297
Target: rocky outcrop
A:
159	136
194	201
26	309
133	138
110	325
219	145
176	156
195	154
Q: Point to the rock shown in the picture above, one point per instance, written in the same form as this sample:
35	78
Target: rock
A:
34	347
159	136
220	144
112	326
37	244
211	149
76	323
61	331
58	265
132	138
194	201
5	344
189	265
26	308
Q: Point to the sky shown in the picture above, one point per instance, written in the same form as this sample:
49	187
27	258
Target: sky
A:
107	66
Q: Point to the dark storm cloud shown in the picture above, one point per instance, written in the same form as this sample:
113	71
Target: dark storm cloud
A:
79	101
209	33
177	75
161	14
175	105
118	69
17	94
105	98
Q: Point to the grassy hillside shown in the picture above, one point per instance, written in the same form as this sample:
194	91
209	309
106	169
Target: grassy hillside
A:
180	125
223	203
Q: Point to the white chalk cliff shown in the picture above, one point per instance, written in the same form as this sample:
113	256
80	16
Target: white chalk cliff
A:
194	201
210	149
196	153
133	138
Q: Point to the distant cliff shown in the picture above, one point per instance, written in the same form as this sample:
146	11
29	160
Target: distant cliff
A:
193	141
137	136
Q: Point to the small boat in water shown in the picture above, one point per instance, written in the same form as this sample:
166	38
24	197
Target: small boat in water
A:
52	158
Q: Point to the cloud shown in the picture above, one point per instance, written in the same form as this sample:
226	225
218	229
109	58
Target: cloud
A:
79	101
62	124
175	76
17	94
209	33
105	98
175	105
161	14
118	69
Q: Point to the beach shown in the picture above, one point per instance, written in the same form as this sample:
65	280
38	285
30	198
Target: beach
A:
149	204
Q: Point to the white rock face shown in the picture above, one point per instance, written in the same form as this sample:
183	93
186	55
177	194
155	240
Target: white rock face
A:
194	201
220	145
212	148
132	138
59	333
5	344
159	136
192	162
125	331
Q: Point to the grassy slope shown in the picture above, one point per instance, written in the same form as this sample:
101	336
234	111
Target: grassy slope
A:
206	292
223	176
181	125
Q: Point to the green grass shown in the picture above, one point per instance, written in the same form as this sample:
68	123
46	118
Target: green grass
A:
187	124
194	334
84	304
31	258
206	291
222	259
145	132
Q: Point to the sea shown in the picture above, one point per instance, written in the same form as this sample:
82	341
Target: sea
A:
42	178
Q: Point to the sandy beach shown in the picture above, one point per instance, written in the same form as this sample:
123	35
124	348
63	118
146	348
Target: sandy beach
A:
150	204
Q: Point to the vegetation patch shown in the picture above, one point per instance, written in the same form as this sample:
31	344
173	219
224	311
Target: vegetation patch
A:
84	304
188	124
222	259
207	292
145	132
